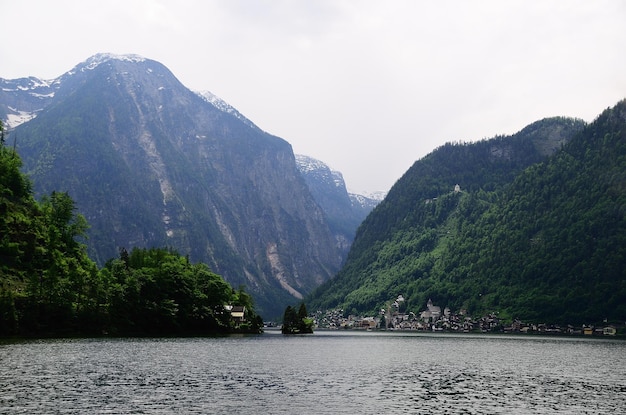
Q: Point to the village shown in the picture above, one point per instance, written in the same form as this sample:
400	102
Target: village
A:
434	319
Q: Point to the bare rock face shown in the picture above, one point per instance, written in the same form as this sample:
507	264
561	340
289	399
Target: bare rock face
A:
344	211
151	163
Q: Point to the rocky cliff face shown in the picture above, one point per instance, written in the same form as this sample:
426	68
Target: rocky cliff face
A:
151	163
344	211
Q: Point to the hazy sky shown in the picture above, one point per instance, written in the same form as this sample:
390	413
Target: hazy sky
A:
366	86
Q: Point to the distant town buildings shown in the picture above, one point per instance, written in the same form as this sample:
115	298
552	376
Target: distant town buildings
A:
432	319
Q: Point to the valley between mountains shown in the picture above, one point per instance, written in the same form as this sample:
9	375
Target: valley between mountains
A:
530	226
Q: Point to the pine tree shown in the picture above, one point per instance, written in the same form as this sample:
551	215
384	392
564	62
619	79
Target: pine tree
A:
289	320
297	322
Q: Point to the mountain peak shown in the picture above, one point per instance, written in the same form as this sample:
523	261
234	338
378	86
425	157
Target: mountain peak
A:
100	58
25	98
308	164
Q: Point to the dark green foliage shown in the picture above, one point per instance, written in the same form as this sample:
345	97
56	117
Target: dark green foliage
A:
290	320
156	291
529	237
297	322
556	239
42	267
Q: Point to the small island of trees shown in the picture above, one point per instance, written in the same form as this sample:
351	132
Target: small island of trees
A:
297	322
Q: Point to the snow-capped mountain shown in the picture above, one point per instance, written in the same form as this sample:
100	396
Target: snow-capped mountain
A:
22	99
96	60
377	195
310	166
344	211
368	201
222	105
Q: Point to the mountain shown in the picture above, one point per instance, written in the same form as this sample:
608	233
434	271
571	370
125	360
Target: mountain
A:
531	226
150	163
344	211
366	202
21	99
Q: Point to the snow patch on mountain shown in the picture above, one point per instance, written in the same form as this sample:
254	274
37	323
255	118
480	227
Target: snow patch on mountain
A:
377	196
363	201
223	106
15	117
308	164
338	178
25	98
25	84
100	58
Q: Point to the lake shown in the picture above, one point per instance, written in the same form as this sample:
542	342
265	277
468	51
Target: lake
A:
329	372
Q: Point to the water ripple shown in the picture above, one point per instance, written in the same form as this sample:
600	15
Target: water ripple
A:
321	374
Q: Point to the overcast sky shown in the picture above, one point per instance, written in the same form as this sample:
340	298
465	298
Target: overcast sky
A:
366	86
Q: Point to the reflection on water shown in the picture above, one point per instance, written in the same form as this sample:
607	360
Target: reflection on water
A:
328	372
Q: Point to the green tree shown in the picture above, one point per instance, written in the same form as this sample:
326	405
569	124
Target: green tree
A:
157	292
297	321
305	324
290	318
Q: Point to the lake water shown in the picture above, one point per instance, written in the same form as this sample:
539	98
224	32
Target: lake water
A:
325	373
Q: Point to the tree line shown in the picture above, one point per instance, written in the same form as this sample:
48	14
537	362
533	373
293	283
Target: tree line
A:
297	322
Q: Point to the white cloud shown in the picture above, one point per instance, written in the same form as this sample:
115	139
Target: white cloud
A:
366	86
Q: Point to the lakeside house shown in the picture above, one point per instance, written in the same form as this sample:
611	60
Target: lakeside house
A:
237	314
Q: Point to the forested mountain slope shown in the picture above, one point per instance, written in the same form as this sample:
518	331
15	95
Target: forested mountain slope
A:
530	239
